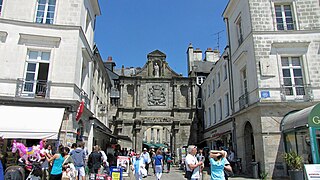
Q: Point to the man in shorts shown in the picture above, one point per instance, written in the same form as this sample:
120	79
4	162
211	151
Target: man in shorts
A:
78	155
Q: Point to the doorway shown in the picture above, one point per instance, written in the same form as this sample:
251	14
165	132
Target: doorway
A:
249	147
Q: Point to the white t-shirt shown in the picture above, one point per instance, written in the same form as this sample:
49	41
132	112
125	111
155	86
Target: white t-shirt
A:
193	160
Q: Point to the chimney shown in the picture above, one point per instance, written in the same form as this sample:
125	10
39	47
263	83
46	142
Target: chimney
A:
122	70
212	55
197	54
109	64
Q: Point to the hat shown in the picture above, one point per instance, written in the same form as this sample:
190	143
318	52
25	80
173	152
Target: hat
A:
214	151
144	149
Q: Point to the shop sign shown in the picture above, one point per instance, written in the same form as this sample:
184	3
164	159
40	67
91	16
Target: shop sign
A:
312	171
123	162
314	117
265	94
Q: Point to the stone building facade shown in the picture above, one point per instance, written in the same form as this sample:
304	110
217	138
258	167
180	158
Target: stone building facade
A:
273	55
152	97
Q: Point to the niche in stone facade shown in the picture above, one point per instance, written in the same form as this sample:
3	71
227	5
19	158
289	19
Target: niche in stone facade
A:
130	96
156	95
183	99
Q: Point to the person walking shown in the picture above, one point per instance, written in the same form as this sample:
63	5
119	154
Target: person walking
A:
192	164
217	164
137	166
58	159
146	158
78	155
168	159
158	164
152	155
95	160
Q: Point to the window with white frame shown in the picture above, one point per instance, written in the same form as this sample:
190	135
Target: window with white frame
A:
214	114
199	103
1	1
218	79
200	79
226	105
45	11
36	73
292	75
225	70
284	17
239	30
220	109
244	84
213	86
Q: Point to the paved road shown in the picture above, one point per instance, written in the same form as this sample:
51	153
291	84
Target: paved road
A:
176	174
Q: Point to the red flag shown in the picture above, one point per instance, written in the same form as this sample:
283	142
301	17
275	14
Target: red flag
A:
80	110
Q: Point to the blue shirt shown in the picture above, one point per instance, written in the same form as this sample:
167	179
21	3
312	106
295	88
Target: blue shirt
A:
137	165
157	159
217	169
57	166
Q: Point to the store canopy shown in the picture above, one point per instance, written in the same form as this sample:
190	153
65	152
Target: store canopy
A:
30	122
308	117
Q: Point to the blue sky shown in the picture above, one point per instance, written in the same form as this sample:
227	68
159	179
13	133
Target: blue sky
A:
128	30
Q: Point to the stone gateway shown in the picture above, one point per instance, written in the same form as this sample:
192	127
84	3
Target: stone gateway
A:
157	106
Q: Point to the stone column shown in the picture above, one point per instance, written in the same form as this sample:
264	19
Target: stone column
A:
134	95
138	94
189	95
193	95
174	96
121	93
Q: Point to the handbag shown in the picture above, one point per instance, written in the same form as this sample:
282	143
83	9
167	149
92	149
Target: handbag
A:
144	172
188	174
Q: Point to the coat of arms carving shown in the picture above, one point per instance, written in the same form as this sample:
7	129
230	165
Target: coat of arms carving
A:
156	96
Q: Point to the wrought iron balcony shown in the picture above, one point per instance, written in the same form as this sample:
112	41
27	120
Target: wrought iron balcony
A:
244	101
38	88
297	92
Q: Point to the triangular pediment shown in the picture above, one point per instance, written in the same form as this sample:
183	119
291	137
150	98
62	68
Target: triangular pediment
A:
156	53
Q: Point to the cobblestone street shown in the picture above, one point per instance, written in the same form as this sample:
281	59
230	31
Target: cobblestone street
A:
176	174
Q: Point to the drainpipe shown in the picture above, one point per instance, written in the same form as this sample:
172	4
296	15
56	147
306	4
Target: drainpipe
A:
231	89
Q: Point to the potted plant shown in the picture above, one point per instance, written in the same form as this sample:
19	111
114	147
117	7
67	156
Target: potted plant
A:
295	164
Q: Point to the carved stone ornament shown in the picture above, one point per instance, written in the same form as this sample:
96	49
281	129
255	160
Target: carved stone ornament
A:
157	120
156	96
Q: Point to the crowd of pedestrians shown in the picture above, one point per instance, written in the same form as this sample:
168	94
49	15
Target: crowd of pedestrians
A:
141	163
71	163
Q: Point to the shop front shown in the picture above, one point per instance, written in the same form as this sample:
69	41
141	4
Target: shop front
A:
28	125
301	132
220	137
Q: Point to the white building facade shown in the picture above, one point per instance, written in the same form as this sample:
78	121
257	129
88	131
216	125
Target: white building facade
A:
48	59
273	52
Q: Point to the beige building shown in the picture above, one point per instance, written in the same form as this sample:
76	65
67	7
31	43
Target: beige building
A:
49	62
273	54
